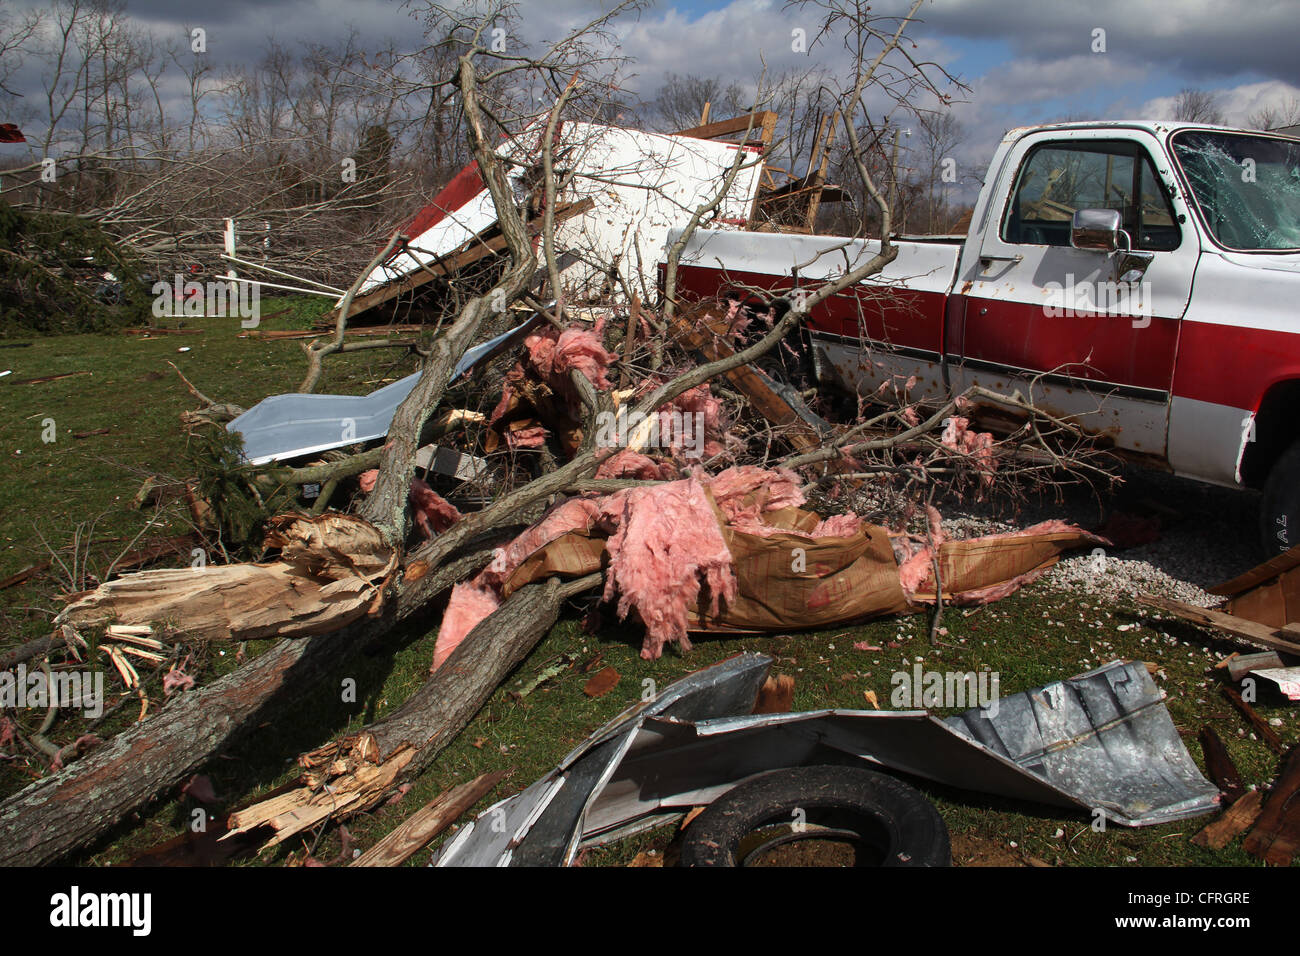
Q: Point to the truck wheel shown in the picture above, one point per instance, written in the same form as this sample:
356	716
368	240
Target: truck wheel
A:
885	821
1279	515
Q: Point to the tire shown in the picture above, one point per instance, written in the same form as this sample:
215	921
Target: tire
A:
1279	513
889	822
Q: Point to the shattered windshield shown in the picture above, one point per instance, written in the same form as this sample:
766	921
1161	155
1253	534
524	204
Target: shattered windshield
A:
1247	187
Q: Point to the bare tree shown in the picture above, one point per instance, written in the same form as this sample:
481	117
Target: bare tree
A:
1197	106
16	36
937	139
1278	116
681	100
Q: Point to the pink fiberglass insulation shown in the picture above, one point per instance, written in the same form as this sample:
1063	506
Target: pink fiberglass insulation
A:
433	513
772	488
476	599
837	526
507	393
554	353
633	464
573	514
750	521
916	561
467	605
693	415
667	540
534	436
996	592
697	401
916	571
977	445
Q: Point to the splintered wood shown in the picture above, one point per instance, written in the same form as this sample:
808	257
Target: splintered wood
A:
330	574
1276	836
358	787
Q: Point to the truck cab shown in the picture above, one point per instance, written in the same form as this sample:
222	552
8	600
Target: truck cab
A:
1140	278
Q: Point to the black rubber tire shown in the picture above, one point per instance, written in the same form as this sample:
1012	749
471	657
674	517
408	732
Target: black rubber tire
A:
896	825
1279	512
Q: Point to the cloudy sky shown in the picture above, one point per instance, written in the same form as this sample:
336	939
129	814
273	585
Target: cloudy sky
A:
1024	61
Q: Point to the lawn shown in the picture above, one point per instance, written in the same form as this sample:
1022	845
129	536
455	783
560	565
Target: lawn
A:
78	492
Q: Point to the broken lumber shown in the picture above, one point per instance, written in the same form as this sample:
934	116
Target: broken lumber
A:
23	575
330	574
41	380
1276	836
1236	820
706	340
776	696
1219	765
427	822
1275	639
65	810
448	265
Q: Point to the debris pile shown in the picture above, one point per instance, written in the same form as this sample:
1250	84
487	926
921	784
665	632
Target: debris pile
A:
662	463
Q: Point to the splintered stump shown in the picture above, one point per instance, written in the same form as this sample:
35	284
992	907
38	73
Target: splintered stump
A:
354	773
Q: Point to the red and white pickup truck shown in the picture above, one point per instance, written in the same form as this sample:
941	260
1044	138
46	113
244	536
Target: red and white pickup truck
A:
1141	277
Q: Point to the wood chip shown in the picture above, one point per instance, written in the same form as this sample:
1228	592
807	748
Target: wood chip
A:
601	683
776	696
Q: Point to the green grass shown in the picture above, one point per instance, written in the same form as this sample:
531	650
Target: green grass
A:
1032	638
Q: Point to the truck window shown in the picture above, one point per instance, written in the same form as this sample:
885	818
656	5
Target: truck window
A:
1246	187
1056	179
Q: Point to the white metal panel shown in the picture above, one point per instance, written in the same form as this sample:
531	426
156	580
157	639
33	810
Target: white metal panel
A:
923	266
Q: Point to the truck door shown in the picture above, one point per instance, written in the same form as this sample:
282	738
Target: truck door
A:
1055	321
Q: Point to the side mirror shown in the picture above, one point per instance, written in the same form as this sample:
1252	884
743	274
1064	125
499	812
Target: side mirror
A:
1096	229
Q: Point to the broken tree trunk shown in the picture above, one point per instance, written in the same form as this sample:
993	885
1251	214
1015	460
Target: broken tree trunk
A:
66	810
61	812
361	767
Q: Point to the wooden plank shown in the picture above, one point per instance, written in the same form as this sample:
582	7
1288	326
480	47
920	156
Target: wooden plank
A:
1267	733
1259	574
1275	639
764	120
23	575
1239	665
427	822
1219	765
819	177
1237	819
705	338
